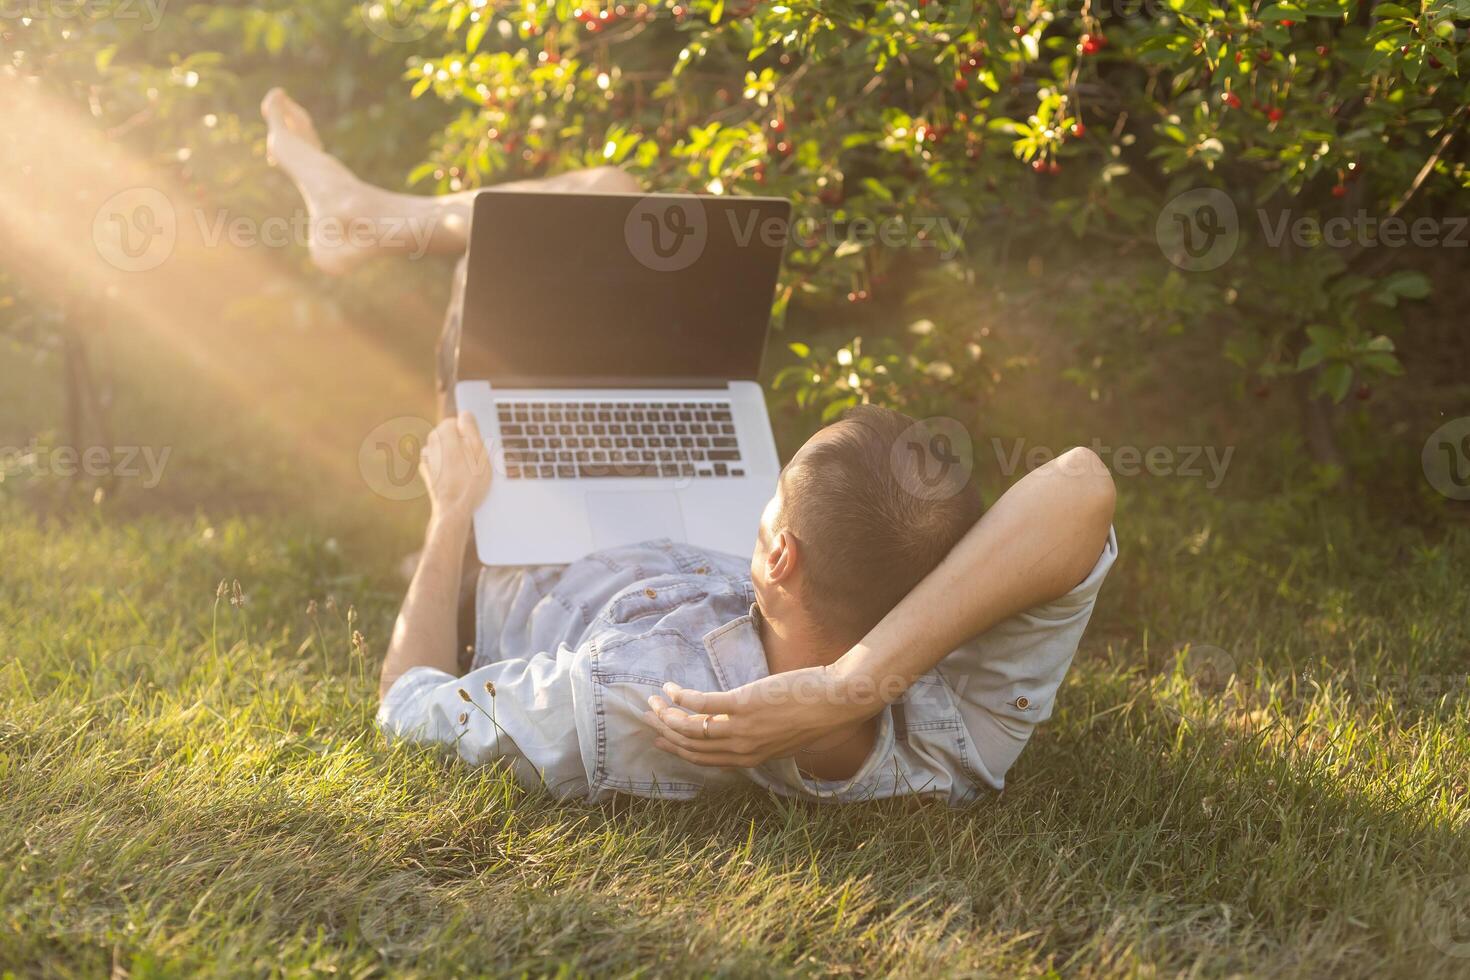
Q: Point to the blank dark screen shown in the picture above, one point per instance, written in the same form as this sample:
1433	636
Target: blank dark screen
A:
555	290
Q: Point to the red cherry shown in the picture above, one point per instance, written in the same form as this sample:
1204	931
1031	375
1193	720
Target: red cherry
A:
1079	130
1322	50
1239	55
969	64
1092	44
1038	165
1340	190
961	83
783	147
1275	114
593	26
777	126
1435	62
1232	100
1018	30
1288	23
1053	168
1363	393
1263	56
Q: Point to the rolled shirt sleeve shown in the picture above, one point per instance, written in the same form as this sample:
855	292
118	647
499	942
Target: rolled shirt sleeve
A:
527	720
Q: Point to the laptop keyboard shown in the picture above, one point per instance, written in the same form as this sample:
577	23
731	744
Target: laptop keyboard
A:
572	440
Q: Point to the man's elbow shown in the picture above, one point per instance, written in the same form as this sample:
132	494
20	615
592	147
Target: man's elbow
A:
1096	494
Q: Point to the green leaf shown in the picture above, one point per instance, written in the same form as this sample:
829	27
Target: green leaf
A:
1407	284
1335	380
1324	337
837	408
799	349
1310	358
1382	363
476	35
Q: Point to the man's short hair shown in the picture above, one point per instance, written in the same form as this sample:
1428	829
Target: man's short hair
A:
868	526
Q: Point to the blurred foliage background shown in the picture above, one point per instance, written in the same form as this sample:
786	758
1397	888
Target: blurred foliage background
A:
983	190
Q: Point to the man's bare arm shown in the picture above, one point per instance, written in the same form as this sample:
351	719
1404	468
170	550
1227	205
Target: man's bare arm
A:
1039	540
457	470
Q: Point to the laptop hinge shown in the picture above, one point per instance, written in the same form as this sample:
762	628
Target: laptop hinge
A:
612	382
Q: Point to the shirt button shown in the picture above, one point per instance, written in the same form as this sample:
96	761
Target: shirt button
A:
650	593
1022	702
702	570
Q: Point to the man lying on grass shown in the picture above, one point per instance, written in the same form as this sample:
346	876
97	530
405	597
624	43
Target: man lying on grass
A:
568	662
838	663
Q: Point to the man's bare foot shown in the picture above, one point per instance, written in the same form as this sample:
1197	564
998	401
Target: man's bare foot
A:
342	208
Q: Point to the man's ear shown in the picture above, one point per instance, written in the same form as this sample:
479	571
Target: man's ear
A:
781	560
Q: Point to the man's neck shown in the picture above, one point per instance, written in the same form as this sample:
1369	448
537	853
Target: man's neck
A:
792	645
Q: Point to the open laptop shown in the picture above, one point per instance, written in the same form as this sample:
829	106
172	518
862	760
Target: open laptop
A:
610	349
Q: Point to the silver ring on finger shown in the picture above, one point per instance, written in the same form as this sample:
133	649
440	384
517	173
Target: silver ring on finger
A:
706	726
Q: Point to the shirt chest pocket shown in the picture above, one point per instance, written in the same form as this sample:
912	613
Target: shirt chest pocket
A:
653	599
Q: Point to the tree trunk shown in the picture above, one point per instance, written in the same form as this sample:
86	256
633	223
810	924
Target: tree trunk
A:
1317	414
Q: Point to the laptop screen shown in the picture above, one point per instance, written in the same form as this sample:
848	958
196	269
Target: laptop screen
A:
582	288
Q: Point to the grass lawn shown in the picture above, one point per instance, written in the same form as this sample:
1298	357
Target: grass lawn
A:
194	787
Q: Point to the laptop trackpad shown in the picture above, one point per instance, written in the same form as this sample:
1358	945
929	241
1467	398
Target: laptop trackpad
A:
630	516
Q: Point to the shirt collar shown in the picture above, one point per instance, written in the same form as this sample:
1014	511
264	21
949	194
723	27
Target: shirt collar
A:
735	650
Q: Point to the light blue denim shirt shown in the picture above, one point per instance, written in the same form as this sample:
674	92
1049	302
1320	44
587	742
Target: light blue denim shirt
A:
572	654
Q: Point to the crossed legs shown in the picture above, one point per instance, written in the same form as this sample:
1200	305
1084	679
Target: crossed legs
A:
352	220
382	221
